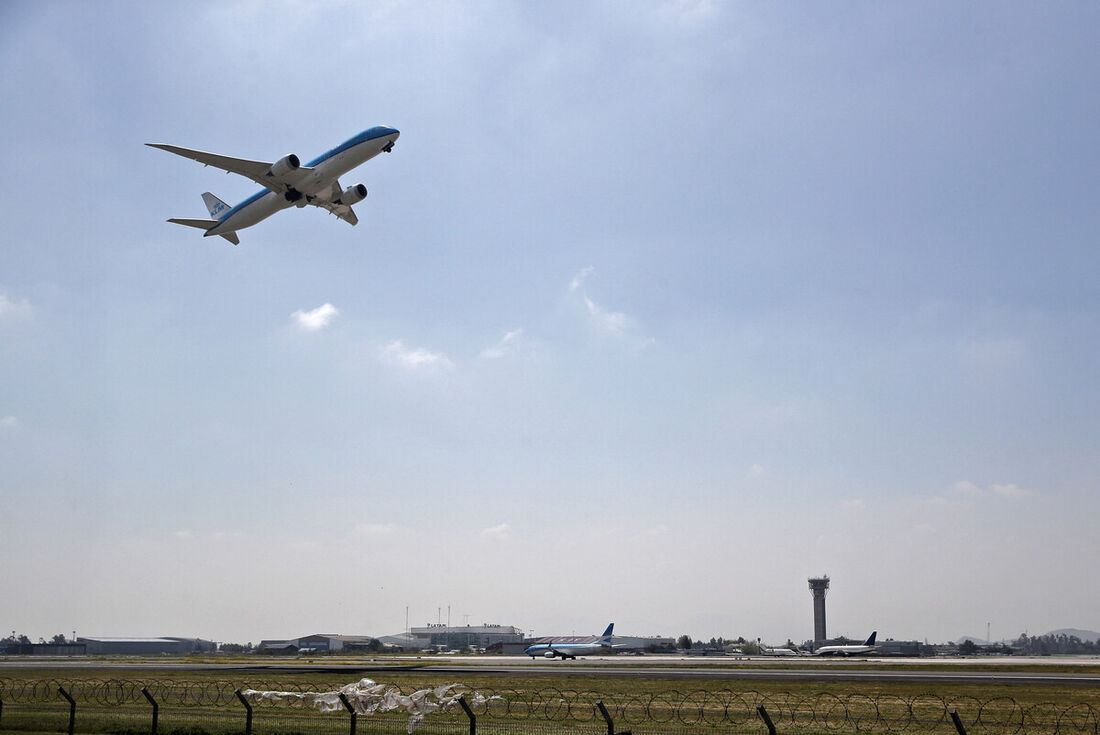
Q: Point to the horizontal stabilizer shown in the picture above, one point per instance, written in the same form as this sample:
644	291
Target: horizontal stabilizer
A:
206	224
202	224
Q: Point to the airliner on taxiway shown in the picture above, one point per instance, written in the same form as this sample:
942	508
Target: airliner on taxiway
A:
852	650
572	650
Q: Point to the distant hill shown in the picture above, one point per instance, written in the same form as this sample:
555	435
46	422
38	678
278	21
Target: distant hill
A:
1086	635
975	639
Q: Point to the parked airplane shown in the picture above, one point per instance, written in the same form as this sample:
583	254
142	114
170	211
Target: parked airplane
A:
287	183
572	650
852	650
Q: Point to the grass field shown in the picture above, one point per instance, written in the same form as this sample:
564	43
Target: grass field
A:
194	702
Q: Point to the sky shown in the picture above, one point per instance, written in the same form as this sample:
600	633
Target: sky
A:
655	310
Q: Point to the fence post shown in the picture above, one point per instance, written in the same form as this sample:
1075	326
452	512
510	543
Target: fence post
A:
72	708
958	723
248	717
156	707
349	708
768	720
606	717
469	713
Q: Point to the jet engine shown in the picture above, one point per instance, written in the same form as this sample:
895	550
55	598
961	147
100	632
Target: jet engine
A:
549	654
353	194
285	165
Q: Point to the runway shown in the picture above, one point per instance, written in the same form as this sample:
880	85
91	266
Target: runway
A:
1004	672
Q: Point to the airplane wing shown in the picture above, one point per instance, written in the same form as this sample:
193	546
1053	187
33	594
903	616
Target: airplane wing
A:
258	171
326	201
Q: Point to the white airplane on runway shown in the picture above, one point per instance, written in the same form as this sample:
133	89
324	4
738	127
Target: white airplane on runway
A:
572	650
287	183
853	650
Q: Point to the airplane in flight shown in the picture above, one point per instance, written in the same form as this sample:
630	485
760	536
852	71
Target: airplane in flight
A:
287	183
572	650
851	650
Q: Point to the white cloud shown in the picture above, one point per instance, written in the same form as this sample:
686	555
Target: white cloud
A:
1005	490
506	345
578	279
965	487
12	310
184	534
9	422
611	323
499	531
414	358
607	323
1011	491
376	529
316	319
757	470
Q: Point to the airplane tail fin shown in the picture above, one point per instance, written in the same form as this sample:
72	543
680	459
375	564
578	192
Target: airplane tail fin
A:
215	206
607	633
871	640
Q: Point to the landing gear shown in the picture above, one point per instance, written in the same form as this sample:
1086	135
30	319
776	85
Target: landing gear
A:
292	195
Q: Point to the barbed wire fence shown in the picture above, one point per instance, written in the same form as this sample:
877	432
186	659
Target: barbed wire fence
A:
131	706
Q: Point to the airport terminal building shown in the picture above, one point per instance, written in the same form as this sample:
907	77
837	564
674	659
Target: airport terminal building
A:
463	636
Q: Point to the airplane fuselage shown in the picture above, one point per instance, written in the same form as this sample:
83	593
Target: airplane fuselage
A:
572	650
848	650
564	650
327	168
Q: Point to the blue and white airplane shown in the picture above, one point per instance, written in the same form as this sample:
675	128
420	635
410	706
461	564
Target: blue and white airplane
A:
849	650
287	183
572	650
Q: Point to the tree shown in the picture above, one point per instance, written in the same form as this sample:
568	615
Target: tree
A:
683	642
234	648
968	647
59	639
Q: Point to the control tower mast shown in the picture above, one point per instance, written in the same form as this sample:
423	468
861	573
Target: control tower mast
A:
818	587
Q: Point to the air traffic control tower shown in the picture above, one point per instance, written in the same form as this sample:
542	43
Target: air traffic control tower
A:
818	587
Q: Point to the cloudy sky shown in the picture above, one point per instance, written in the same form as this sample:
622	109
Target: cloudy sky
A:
655	310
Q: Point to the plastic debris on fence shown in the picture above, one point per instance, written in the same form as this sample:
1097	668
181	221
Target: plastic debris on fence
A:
367	697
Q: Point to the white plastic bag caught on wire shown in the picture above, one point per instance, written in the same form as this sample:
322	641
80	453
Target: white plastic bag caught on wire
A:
367	697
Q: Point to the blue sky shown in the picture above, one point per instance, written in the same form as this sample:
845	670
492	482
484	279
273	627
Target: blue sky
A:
655	310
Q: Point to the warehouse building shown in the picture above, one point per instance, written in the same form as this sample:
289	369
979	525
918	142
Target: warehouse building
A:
168	645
